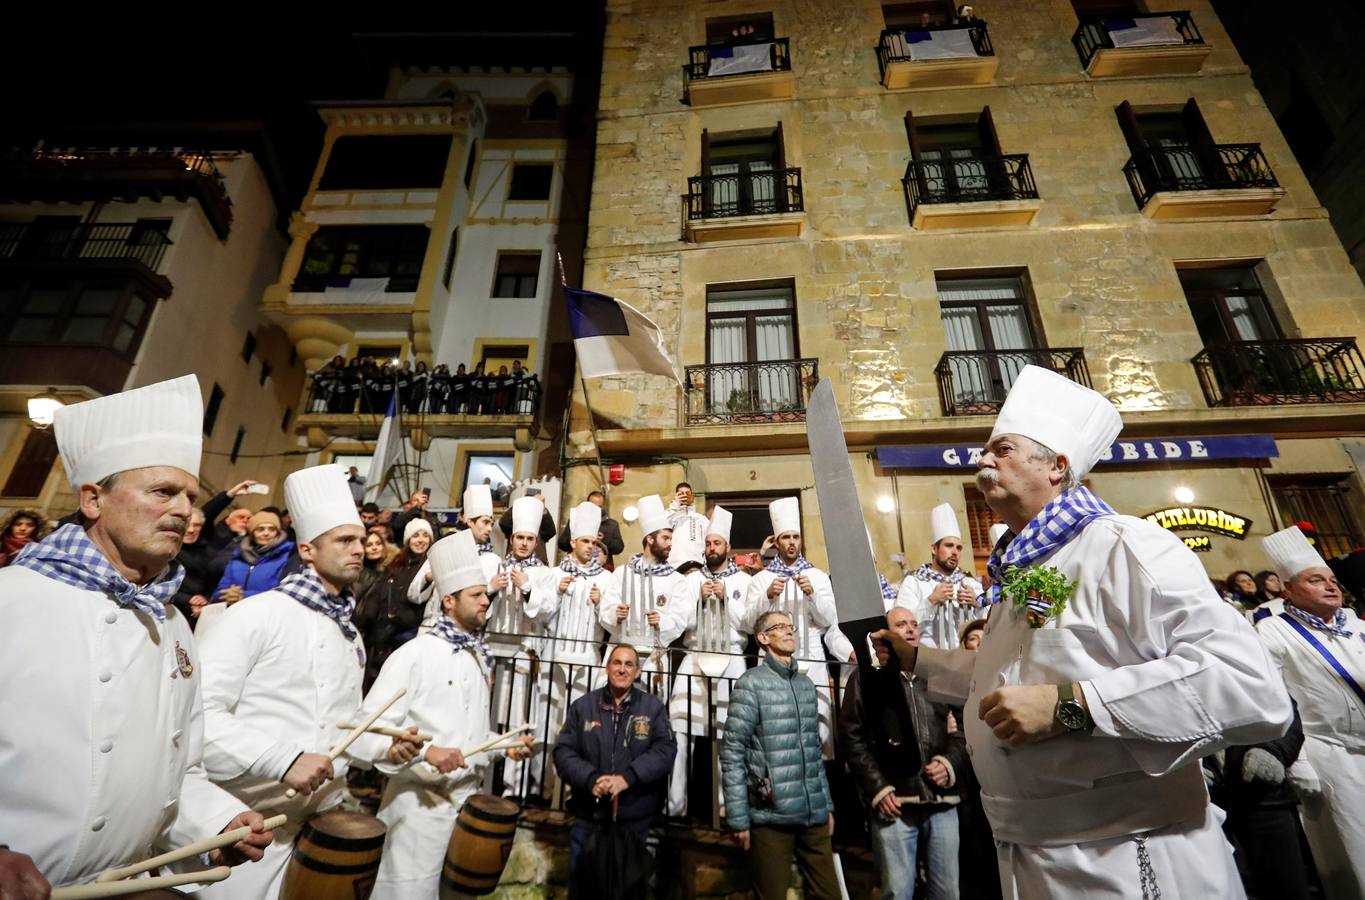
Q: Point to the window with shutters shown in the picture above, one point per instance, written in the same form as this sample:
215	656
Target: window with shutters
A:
35	461
518	273
955	158
743	172
1327	503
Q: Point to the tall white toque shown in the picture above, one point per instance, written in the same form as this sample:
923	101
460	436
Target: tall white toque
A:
1290	552
478	501
585	521
997	532
1066	417
943	523
720	523
455	563
158	425
785	513
653	516
526	515
319	499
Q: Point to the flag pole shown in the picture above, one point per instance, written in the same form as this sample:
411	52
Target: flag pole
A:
587	402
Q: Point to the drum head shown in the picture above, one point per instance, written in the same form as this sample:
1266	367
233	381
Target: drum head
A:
493	809
346	825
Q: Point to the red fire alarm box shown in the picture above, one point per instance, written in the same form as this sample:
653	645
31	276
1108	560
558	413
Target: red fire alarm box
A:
617	473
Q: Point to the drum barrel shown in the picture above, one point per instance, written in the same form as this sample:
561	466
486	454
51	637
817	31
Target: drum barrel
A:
479	846
336	856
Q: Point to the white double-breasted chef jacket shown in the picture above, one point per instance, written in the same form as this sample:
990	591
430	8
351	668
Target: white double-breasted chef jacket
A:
820	610
939	623
101	731
279	678
1170	674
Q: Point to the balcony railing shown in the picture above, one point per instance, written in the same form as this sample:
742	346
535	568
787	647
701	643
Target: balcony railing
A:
967	179
1153	30
737	58
743	393
1197	168
85	242
424	394
975	382
1290	370
748	194
921	44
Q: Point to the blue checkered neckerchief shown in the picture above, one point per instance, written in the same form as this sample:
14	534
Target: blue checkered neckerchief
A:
730	569
1337	626
485	547
888	592
1058	523
447	630
307	588
530	562
927	572
637	565
782	570
570	565
69	556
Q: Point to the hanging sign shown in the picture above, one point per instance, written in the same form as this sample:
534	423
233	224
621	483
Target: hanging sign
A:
1160	450
1201	518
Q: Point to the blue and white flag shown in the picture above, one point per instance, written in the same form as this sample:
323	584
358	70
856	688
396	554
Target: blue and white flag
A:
387	450
739	59
1144	32
612	337
947	43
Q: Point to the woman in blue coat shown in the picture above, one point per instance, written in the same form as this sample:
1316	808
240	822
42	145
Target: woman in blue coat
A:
258	560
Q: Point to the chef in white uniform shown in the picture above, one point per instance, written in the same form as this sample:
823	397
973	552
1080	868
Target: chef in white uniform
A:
642	615
477	514
445	673
1087	711
1320	648
282	671
941	595
101	734
716	600
792	585
688	527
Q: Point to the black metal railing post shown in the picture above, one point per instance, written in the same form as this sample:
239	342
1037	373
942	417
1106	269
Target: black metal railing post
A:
740	393
975	382
1288	370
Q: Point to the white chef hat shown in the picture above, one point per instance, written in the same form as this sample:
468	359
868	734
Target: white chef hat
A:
1068	418
319	499
1290	552
414	526
720	523
158	425
785	513
653	516
943	522
526	515
996	533
585	520
455	563
478	501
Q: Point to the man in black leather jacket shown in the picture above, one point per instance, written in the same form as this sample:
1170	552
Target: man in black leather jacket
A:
908	780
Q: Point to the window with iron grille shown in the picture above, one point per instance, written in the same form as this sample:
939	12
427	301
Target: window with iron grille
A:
1327	503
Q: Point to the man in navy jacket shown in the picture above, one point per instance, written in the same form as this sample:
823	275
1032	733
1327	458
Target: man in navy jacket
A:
616	747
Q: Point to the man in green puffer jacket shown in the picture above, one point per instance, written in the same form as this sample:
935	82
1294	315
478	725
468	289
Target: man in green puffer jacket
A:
777	801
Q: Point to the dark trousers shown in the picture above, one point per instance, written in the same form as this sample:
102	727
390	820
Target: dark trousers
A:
578	841
771	851
1267	842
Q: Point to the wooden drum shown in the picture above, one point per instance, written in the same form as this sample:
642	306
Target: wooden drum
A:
336	857
479	846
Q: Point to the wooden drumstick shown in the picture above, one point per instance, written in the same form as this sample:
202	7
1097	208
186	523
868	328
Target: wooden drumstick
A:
421	736
495	741
99	889
217	842
355	734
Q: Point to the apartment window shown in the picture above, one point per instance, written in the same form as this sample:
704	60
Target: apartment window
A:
1096	9
337	254
211	410
517	274
751	339
1324	501
744	172
924	14
958	156
1229	305
1171	145
248	346
989	335
497	355
497	470
545	108
757	26
531	181
79	312
751	523
237	445
35	461
450	257
469	163
386	162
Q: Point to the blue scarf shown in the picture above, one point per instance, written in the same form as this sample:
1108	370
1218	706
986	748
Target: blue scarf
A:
1055	526
1337	626
69	556
637	565
730	569
782	570
447	630
307	588
927	572
888	592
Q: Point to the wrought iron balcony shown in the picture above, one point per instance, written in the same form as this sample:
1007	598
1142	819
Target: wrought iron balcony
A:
936	57
1165	43
1289	370
975	382
85	242
747	393
738	72
750	194
346	393
970	179
1211	167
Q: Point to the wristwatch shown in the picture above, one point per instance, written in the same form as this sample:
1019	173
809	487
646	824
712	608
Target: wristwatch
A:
1072	715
